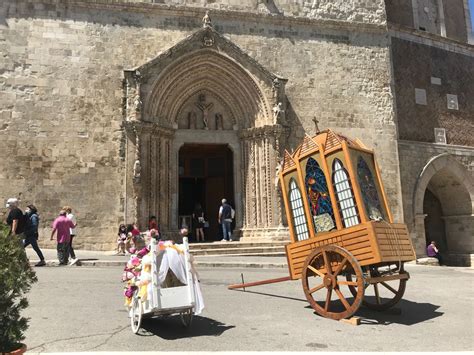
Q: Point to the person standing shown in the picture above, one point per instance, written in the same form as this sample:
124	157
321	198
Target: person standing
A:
62	226
15	219
31	232
225	219
198	222
72	231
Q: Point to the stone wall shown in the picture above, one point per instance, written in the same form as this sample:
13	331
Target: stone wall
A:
61	94
414	156
438	72
451	20
400	12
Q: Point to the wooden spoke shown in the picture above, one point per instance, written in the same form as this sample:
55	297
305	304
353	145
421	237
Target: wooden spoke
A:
341	266
348	283
328	300
327	264
341	260
380	300
389	287
342	298
377	296
317	288
316	271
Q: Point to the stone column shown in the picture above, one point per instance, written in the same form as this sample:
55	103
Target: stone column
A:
262	214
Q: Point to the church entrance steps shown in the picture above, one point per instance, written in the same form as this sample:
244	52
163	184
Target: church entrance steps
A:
239	249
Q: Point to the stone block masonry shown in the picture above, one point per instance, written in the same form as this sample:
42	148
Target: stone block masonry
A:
61	96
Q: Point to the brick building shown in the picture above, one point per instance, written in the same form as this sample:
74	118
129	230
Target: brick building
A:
126	109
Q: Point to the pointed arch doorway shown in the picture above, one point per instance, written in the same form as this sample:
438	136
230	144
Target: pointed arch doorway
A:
205	91
206	175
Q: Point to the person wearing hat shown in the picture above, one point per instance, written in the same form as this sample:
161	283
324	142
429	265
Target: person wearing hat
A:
62	226
15	218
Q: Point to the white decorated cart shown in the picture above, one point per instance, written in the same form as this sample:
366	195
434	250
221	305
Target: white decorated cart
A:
182	297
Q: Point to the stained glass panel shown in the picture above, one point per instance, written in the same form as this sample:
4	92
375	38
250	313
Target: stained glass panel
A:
318	197
344	195
368	190
297	210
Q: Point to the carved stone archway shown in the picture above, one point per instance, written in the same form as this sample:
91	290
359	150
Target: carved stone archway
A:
457	200
204	89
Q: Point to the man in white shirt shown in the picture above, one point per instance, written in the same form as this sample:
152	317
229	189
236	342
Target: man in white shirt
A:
70	216
225	219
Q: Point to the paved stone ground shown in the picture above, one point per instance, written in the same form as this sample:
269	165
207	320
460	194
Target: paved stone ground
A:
81	309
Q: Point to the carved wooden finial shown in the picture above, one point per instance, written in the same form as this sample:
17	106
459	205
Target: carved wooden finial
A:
316	128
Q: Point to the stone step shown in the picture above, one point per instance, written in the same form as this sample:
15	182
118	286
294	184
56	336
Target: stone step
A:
239	250
218	245
205	257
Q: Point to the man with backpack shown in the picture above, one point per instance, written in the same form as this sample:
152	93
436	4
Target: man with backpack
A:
16	219
225	219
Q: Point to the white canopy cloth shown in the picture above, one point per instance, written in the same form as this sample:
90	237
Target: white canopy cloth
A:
171	259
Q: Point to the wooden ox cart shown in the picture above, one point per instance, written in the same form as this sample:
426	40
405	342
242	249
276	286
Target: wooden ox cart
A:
344	246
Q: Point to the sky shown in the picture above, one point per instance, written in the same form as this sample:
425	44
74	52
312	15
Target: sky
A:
471	8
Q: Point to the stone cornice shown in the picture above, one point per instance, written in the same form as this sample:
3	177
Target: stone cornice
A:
430	39
197	13
147	128
439	147
258	132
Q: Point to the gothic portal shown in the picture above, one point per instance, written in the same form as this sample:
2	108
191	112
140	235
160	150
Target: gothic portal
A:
204	93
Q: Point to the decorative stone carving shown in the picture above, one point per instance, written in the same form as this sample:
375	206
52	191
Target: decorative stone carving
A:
277	111
205	108
192	120
219	121
137	170
206	20
208	41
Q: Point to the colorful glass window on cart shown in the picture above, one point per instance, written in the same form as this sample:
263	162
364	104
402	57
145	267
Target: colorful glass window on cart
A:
297	210
344	195
368	189
318	197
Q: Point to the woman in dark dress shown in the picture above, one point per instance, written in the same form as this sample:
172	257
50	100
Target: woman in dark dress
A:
198	221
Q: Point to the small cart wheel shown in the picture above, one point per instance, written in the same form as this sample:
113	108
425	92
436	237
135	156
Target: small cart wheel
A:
187	317
136	315
383	295
323	273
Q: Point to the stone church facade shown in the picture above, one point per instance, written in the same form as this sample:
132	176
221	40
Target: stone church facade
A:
126	109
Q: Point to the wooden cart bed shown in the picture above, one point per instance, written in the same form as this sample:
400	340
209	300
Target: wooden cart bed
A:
370	243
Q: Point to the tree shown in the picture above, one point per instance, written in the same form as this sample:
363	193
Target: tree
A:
16	279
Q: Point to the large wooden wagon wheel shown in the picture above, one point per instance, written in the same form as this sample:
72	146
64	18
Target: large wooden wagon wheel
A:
323	279
384	290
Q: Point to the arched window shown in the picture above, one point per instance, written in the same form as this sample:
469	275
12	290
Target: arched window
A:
369	192
297	210
344	195
318	197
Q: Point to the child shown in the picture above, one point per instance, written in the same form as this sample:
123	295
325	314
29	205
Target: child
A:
121	239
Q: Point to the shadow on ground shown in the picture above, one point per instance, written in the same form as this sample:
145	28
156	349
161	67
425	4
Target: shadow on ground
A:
171	328
405	312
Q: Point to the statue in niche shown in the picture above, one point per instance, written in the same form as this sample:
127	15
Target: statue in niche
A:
206	20
138	103
219	121
192	120
277	111
137	170
205	108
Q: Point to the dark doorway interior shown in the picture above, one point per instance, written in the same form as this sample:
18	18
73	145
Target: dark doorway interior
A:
435	229
205	177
